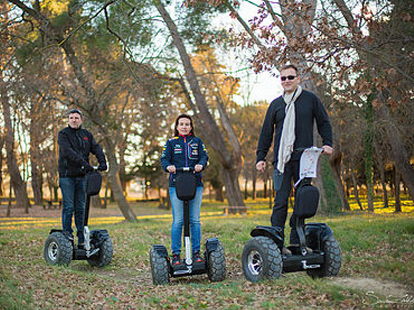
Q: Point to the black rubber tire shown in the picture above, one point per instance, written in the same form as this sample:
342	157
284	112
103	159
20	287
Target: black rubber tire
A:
333	259
261	259
216	268
104	255
58	249
159	269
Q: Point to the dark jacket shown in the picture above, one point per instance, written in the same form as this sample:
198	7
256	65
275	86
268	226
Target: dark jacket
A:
74	148
308	108
183	151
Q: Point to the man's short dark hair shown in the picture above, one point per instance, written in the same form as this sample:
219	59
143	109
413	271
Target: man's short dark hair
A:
290	66
75	111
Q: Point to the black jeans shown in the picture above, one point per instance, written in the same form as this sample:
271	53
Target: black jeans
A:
280	207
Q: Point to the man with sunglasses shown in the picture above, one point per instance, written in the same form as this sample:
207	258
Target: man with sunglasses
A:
75	145
289	122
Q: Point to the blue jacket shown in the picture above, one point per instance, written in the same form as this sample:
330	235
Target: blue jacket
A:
184	151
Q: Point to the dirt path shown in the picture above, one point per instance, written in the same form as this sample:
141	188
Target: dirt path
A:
374	287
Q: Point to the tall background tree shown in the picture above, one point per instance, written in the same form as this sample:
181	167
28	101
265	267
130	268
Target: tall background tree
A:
134	66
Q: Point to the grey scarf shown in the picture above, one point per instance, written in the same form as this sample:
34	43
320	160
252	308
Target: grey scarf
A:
288	132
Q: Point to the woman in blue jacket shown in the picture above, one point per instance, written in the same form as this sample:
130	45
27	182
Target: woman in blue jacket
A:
184	150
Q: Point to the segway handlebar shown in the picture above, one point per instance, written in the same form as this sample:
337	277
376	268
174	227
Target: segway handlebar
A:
99	168
184	169
301	149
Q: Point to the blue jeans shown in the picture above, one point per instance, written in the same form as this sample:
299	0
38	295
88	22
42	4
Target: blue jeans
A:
178	220
74	201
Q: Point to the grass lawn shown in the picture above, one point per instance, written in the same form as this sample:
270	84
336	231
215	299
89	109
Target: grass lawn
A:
377	267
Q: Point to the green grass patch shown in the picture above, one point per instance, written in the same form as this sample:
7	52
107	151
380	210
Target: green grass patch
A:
374	246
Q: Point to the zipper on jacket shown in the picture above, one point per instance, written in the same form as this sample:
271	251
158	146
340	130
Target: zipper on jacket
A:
185	152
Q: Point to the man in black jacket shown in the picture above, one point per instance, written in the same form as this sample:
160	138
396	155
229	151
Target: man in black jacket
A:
289	119
75	144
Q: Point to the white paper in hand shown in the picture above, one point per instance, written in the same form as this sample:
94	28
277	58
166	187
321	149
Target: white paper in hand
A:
308	163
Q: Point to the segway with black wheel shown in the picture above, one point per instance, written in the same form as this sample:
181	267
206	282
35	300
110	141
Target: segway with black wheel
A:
214	264
318	253
98	249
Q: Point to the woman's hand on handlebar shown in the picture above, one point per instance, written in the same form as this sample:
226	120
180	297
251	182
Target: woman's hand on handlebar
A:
171	169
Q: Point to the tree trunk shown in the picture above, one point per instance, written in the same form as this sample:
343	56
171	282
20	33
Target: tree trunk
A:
1	164
402	160
246	193
355	186
92	106
398	150
105	204
19	186
369	152
297	28
17	183
335	161
219	193
116	187
36	185
381	168
397	179
324	207
34	160
96	201
233	193
254	183
385	194
9	204
226	145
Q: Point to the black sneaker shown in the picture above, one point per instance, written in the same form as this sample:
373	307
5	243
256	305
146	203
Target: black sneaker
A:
176	260
308	249
286	252
197	258
68	235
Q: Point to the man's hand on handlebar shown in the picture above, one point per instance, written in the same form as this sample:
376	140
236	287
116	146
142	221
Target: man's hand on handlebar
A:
261	166
327	150
102	168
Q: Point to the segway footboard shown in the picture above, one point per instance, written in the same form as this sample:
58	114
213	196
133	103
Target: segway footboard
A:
316	234
320	237
99	242
302	263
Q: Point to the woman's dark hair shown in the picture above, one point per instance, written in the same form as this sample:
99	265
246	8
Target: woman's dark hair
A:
178	119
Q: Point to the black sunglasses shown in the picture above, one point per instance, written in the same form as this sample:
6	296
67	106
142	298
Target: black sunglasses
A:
289	77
